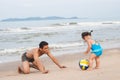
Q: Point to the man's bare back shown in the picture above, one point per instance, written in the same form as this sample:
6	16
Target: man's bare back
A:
30	53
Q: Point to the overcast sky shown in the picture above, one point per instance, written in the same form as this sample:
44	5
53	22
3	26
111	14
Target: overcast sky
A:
65	8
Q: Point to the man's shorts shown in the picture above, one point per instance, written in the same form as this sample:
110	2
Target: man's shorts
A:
25	58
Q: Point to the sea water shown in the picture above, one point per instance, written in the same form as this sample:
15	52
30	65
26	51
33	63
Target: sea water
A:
63	36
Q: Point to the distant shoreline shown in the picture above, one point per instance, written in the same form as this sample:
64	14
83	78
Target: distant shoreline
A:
37	18
18	19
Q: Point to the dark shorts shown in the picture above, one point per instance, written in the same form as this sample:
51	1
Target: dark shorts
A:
25	58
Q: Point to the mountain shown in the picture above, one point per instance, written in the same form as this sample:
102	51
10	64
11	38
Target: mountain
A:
37	18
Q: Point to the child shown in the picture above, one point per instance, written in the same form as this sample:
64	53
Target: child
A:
96	50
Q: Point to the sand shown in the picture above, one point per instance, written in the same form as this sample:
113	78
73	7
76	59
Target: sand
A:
109	70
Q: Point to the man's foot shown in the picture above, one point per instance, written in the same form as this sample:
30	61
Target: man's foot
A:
19	69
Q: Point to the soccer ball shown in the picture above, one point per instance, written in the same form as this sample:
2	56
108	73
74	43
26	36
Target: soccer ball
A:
84	64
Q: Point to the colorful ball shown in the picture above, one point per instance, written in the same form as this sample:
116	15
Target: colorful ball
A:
84	64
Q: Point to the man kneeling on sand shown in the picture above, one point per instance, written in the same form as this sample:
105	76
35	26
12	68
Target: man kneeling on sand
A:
33	55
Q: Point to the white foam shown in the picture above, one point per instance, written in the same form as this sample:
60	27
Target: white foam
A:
11	51
66	45
66	27
19	51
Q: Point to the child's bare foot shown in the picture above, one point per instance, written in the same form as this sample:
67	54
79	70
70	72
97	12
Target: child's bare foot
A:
89	69
19	69
96	68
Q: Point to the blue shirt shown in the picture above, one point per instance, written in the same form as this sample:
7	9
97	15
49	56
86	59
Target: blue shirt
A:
96	49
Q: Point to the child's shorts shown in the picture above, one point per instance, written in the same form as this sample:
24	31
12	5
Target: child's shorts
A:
98	53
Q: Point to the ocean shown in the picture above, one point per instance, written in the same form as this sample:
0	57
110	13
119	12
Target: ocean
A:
63	36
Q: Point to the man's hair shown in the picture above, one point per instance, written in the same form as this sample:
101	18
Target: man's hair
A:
86	34
42	44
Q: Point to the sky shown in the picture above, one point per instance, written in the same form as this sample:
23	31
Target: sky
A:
63	8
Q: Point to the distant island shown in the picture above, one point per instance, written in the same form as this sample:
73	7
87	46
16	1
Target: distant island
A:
36	18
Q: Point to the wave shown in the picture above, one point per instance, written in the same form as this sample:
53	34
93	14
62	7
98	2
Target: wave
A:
107	23
65	24
58	24
87	23
36	29
58	27
73	23
14	54
65	45
99	23
23	29
10	52
19	51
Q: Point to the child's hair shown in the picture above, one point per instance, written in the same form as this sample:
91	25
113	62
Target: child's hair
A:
86	34
42	44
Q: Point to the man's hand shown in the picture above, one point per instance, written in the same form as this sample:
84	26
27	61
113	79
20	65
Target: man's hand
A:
45	72
63	67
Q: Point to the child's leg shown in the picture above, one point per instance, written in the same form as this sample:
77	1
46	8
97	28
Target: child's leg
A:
92	57
97	59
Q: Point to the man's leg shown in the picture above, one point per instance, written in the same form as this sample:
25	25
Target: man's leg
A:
34	65
24	68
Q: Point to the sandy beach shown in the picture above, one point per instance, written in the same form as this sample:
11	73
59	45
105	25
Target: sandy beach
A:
67	29
109	70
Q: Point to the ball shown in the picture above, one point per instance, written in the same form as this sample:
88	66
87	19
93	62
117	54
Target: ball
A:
84	64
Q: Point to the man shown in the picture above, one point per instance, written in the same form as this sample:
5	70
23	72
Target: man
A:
33	55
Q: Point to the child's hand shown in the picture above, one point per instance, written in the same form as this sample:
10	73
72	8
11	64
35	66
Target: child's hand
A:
85	53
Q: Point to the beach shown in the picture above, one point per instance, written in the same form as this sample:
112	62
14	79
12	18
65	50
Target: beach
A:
60	33
65	43
109	69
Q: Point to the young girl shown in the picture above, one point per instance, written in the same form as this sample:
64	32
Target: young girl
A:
96	50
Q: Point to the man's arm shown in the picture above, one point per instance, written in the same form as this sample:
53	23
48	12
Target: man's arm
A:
39	64
55	60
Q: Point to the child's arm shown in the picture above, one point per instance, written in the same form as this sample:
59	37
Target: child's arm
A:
88	48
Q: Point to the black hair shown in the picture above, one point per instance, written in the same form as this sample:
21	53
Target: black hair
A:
42	44
86	34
